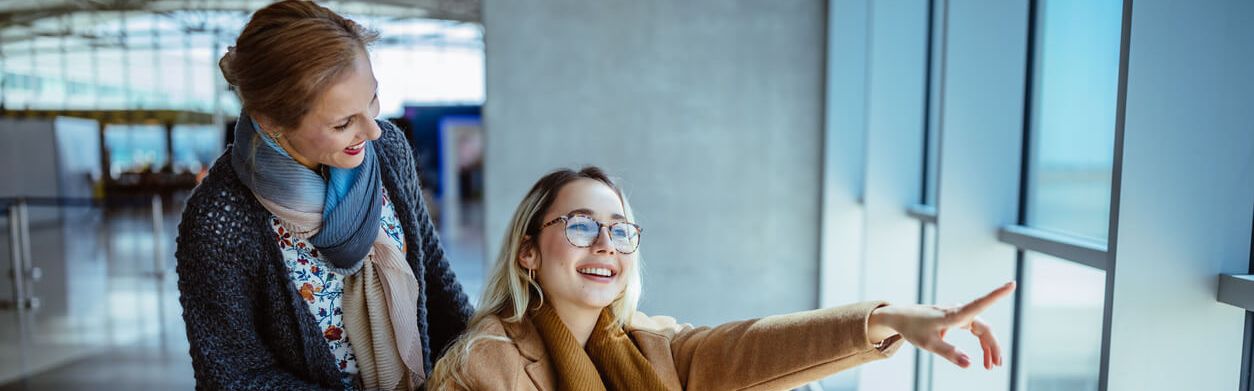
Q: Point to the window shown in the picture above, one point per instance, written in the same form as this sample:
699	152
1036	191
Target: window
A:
196	146
931	178
135	148
927	294
1061	329
1069	156
1073	109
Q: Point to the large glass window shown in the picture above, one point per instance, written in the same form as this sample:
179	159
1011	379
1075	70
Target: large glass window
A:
935	84
135	148
196	146
927	294
1075	85
1061	333
931	176
169	61
1070	155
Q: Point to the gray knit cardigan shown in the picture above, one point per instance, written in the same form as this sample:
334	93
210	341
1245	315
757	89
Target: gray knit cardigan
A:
247	325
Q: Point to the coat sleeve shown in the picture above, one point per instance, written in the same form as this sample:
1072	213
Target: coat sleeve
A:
777	352
215	291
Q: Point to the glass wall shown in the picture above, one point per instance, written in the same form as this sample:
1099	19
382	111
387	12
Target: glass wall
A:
1061	326
1075	83
1074	91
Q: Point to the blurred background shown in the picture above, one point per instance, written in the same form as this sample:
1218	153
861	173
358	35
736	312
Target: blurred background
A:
782	156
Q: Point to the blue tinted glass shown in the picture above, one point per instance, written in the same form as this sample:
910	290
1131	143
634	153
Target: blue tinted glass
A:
1061	324
135	148
1075	85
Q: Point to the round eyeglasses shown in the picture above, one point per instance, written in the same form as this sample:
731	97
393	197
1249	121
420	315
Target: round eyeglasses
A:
582	231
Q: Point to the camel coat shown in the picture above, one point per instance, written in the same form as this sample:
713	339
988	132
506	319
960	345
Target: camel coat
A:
773	353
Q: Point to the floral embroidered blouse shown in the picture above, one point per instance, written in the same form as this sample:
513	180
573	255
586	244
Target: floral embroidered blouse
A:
322	289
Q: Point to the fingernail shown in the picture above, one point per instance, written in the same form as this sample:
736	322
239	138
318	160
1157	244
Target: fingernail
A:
964	361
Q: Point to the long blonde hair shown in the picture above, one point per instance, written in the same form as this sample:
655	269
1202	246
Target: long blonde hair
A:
509	291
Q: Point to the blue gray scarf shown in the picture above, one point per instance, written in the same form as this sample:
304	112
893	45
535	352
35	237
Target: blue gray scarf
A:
349	200
340	217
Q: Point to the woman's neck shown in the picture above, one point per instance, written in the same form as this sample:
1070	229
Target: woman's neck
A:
578	320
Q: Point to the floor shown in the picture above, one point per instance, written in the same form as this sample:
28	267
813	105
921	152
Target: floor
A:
109	314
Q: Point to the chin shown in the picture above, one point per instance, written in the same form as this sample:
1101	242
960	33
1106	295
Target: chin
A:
348	164
597	302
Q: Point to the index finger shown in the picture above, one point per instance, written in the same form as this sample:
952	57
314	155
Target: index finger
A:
977	306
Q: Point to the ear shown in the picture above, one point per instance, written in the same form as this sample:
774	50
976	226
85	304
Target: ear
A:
266	124
528	257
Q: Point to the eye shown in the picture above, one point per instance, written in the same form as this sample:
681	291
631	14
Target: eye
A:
619	230
582	225
345	125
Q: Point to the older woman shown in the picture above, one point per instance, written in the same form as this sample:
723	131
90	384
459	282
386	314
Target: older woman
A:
306	258
559	312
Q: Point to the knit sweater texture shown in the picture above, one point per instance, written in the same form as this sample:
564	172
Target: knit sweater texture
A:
247	325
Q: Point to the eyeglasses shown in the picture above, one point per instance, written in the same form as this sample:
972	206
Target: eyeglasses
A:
582	231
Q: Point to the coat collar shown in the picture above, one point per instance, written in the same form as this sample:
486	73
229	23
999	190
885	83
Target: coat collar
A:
652	334
531	347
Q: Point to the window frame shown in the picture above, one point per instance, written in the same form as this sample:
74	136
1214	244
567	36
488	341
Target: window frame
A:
1072	248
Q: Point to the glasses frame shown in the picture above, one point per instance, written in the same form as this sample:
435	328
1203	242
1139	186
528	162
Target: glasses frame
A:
600	226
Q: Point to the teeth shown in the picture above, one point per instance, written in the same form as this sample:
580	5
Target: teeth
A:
597	271
358	146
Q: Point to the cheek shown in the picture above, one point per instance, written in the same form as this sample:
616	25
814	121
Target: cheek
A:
629	267
557	253
313	145
334	142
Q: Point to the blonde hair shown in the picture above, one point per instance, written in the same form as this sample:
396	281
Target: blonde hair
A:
509	291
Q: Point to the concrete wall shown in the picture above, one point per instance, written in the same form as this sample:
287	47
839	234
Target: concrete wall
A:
711	113
1184	206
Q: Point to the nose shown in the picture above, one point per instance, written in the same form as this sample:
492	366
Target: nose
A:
373	132
602	245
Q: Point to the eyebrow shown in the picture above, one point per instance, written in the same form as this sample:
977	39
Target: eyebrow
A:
350	116
586	211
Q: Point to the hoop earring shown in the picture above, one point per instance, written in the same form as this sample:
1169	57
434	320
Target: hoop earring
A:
531	273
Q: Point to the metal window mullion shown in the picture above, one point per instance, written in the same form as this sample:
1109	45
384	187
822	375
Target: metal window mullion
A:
923	213
1084	251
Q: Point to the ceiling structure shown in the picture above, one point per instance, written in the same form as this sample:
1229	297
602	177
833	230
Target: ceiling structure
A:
27	20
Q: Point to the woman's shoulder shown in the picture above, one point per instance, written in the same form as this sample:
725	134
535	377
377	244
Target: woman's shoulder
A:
486	357
392	140
221	191
395	155
490	324
220	206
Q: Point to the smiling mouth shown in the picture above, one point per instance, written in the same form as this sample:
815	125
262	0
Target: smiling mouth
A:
356	149
596	272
